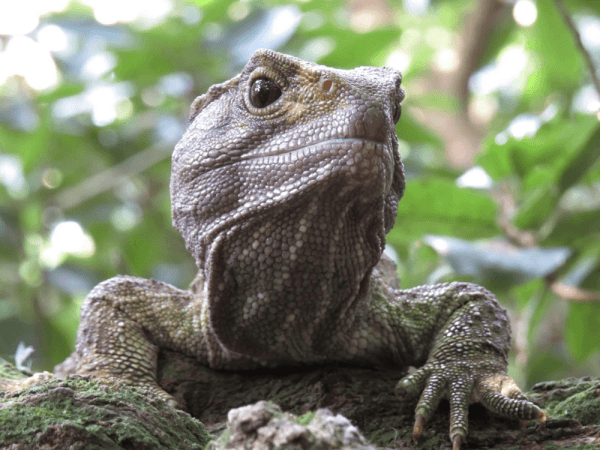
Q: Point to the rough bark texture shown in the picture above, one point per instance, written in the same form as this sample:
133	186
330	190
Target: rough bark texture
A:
84	413
80	413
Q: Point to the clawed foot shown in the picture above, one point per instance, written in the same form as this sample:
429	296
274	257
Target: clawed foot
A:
462	385
144	383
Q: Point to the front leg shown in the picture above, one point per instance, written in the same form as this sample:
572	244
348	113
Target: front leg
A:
459	336
467	360
125	320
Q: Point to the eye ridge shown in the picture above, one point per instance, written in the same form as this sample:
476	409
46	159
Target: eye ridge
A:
264	92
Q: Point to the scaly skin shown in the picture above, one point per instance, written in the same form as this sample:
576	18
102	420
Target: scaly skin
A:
283	187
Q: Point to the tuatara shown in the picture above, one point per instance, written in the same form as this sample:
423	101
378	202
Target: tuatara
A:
283	188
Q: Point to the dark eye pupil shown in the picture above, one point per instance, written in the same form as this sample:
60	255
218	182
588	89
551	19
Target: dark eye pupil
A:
397	113
263	92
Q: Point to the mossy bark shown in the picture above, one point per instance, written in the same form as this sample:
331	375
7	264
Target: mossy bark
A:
82	413
97	414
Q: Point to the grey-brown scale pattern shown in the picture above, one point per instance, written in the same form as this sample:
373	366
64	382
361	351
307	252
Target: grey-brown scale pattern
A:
283	188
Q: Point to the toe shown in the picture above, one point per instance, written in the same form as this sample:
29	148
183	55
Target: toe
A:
431	396
460	397
512	408
428	403
500	395
412	385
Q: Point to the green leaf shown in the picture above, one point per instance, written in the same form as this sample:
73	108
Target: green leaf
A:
525	292
26	145
582	160
542	305
592	175
496	158
583	6
553	44
572	225
592	280
549	151
583	269
546	364
434	206
11	234
409	130
352	50
441	102
213	10
582	327
538	206
142	251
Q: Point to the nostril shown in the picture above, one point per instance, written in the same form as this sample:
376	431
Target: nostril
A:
326	85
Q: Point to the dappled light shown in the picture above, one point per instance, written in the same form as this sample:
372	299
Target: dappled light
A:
11	175
145	13
69	237
475	177
25	57
507	74
23	17
525	12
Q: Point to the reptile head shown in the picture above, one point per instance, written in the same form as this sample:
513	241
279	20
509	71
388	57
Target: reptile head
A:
289	176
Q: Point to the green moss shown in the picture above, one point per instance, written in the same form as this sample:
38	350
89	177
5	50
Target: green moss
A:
305	419
10	372
583	407
221	441
95	413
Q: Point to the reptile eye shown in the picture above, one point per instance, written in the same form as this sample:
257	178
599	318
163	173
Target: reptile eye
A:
263	92
397	113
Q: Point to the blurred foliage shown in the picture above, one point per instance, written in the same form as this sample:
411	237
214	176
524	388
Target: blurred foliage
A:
93	149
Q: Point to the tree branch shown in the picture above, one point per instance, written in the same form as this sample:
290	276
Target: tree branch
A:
588	59
573	293
111	178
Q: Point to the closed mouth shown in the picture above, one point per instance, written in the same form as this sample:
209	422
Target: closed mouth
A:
331	149
298	152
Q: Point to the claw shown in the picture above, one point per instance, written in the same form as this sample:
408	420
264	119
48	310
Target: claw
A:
541	416
418	428
457	441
